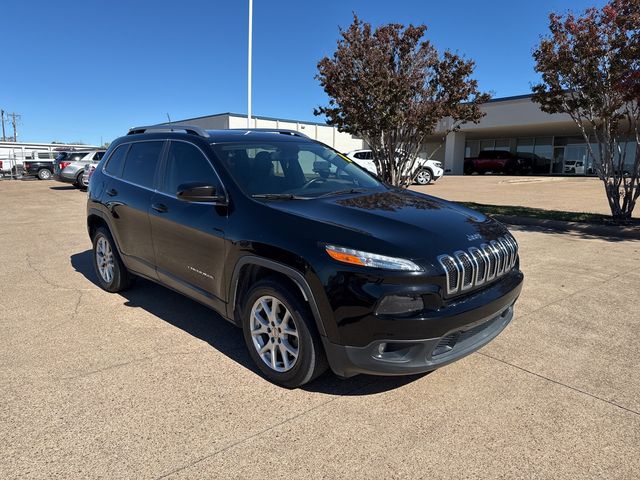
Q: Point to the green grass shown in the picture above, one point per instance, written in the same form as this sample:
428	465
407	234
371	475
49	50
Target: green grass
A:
539	213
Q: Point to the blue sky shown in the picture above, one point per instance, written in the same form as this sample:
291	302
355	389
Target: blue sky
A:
88	70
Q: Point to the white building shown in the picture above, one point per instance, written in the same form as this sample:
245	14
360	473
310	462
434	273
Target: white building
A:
12	153
515	124
322	132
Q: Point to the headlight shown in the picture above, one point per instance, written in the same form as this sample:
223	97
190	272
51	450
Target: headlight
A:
438	164
365	259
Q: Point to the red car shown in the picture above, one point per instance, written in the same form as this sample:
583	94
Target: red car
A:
497	161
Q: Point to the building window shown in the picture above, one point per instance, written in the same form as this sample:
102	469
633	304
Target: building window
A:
503	144
487	145
472	148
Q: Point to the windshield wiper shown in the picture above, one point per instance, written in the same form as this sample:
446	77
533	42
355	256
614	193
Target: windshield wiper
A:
278	196
343	192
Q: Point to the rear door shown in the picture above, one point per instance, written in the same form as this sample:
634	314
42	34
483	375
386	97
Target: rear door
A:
132	170
188	237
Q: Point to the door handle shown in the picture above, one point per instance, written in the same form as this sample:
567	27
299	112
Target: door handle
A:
160	207
112	193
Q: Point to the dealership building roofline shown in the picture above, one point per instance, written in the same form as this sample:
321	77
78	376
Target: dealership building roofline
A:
515	123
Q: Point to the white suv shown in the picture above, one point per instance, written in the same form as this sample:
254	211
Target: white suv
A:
429	170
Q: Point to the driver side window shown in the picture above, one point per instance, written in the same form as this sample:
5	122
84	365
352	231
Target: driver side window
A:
186	164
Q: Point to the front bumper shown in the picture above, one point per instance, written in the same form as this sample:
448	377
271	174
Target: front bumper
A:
458	335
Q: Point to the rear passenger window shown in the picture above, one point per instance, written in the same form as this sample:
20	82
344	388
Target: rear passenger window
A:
141	162
186	164
116	160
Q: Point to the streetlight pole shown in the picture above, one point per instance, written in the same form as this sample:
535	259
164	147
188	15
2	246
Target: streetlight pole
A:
249	65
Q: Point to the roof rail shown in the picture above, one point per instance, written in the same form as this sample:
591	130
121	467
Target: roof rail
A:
281	131
190	129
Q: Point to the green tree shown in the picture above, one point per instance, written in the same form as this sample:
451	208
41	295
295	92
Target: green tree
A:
590	68
392	88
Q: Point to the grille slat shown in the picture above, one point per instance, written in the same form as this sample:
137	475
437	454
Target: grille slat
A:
465	270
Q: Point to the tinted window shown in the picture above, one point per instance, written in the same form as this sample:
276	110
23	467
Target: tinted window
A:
116	160
98	156
140	165
359	155
186	164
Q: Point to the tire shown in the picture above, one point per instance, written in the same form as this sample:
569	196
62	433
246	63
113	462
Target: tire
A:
119	278
265	329
78	182
44	174
424	177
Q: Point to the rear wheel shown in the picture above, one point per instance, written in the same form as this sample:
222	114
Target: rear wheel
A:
281	335
78	182
44	174
424	177
111	272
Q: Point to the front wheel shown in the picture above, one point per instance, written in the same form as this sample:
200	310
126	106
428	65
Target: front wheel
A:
281	335
424	177
44	174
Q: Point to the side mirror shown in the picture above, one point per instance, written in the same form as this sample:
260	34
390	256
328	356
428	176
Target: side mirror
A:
199	192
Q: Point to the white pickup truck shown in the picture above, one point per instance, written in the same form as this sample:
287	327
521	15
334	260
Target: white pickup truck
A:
429	170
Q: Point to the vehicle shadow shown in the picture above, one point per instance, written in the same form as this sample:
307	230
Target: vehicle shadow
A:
64	187
205	324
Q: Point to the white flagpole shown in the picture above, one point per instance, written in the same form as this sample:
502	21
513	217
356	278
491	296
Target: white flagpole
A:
249	65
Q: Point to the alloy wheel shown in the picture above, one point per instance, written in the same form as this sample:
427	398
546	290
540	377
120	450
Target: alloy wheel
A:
423	177
104	259
274	333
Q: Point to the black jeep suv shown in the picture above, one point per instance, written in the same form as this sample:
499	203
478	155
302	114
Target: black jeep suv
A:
318	262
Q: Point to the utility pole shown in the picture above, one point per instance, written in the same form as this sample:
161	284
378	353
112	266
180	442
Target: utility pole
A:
249	65
13	123
3	134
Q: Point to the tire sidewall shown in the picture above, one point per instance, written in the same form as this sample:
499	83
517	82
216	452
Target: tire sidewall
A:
426	172
303	369
114	285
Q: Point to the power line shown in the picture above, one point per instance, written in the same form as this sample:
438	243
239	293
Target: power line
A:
14	118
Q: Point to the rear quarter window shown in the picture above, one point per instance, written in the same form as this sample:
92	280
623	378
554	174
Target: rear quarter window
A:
116	161
141	162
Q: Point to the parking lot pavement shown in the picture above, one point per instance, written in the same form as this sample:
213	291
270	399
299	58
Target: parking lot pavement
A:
148	384
570	194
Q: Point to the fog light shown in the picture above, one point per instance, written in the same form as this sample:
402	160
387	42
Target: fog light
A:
400	305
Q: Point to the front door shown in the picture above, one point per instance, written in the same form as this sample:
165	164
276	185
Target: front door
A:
558	160
188	237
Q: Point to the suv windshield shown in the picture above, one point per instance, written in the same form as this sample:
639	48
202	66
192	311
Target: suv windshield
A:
292	169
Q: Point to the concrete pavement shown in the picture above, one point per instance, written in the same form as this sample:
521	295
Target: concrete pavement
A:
149	384
570	194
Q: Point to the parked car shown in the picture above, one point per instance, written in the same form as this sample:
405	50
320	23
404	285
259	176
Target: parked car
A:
43	169
69	166
430	170
89	168
574	166
498	161
317	261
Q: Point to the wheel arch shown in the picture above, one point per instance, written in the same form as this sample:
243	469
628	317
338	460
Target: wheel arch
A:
251	267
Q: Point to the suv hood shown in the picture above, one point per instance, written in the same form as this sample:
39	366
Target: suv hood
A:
397	222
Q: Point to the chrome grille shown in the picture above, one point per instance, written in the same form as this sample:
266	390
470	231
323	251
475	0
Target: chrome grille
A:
468	269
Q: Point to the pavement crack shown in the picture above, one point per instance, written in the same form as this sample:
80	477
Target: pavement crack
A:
49	282
583	392
261	432
124	364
